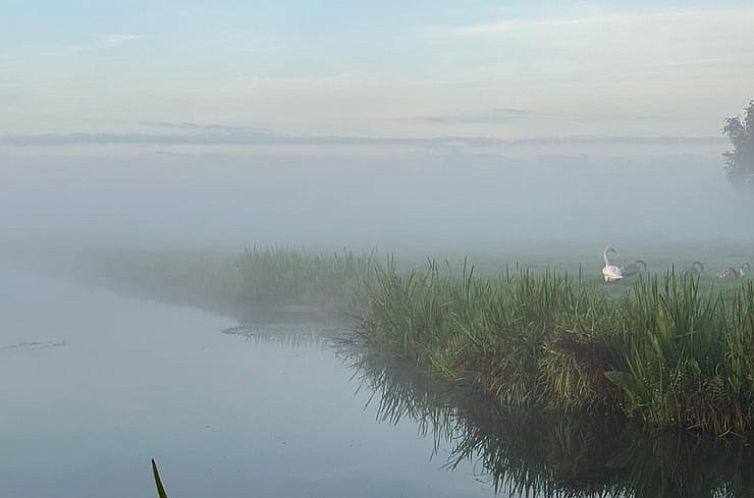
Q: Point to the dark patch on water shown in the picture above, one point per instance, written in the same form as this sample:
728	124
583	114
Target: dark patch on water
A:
34	345
291	334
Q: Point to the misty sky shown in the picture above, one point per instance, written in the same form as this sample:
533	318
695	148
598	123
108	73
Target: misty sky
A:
294	120
376	68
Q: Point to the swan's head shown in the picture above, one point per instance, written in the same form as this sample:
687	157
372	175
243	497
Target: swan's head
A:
746	267
610	250
698	265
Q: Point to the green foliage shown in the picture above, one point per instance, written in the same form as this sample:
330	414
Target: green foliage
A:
671	351
739	162
525	339
666	353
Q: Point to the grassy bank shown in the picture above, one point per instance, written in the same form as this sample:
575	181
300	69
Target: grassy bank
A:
668	351
665	350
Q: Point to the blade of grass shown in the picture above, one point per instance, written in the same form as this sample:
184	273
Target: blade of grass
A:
158	482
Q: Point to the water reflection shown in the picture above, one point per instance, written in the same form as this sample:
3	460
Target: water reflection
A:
551	455
290	335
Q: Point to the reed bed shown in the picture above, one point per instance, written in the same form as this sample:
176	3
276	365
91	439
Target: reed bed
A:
667	352
275	275
255	285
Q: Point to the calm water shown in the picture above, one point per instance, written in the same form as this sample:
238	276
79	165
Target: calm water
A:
93	385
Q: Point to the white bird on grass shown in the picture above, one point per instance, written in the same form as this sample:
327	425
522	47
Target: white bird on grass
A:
610	273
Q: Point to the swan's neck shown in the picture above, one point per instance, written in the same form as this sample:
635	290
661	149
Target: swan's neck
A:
607	261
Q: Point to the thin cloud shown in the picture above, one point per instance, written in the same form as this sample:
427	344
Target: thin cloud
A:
504	115
268	138
105	42
499	115
650	20
512	26
199	127
119	39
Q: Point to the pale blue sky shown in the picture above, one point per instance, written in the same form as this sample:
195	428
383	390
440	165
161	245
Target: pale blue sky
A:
425	69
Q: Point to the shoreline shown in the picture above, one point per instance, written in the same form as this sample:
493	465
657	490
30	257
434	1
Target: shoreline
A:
531	338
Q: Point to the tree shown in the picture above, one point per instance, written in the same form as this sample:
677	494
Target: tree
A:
739	162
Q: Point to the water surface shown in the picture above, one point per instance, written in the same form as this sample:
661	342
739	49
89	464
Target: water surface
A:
94	385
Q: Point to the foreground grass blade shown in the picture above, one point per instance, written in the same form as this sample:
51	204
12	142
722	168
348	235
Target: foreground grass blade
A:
158	482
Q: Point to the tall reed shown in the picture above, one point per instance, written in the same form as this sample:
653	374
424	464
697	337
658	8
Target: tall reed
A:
275	275
667	353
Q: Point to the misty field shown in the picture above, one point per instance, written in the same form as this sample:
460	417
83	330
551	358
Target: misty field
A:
536	328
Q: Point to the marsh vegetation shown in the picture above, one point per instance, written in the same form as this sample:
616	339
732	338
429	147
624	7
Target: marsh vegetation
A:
667	352
668	349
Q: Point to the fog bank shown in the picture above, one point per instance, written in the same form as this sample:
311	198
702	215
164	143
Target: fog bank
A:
454	201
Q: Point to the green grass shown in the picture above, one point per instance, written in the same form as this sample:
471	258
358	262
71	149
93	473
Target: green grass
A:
666	352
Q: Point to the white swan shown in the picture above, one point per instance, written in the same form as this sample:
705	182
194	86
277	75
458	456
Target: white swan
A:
610	273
